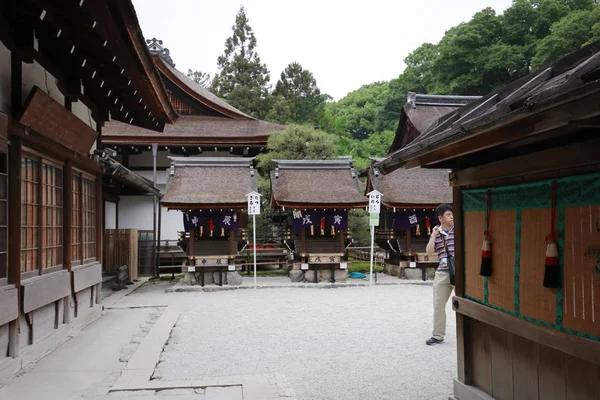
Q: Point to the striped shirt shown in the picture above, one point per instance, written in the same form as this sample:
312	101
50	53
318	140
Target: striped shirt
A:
441	250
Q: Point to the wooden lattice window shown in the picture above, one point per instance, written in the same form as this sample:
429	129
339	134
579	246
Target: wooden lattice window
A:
179	106
89	219
76	238
52	216
83	219
29	214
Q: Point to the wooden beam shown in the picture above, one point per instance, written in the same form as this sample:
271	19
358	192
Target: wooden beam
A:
576	346
232	250
14	233
459	289
578	157
68	215
16	79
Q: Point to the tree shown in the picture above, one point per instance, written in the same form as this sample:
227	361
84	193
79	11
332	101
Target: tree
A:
297	97
568	35
201	78
243	80
297	142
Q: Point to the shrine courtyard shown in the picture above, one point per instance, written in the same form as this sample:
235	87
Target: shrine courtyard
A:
269	343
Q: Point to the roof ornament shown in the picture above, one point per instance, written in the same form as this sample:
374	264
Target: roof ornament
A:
156	48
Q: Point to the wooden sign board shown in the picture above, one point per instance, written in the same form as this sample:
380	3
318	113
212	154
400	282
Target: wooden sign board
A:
324	259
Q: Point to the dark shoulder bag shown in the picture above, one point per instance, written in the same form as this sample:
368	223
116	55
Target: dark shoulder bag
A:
450	258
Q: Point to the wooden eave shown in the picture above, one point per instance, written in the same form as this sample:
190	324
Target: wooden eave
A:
160	63
96	46
562	113
298	205
35	140
196	206
201	141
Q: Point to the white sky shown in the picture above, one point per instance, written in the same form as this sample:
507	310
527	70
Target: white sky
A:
345	44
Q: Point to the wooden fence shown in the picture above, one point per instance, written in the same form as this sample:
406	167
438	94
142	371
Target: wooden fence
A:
365	255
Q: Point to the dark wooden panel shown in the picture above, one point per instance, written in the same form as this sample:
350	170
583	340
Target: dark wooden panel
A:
524	365
501	284
46	116
9	305
86	276
551	369
473	239
45	290
576	346
501	355
583	379
478	357
537	301
3	133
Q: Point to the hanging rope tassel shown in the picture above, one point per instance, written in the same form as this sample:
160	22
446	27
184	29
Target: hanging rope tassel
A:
428	225
552	265
486	248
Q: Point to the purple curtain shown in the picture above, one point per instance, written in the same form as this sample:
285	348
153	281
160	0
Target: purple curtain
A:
304	219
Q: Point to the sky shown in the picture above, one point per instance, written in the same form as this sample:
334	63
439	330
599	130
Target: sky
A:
345	44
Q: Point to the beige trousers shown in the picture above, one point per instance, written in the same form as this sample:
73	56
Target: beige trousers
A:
442	289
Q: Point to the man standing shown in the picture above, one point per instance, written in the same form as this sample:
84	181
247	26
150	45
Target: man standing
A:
441	242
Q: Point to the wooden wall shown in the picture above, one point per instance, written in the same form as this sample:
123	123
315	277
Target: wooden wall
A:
510	367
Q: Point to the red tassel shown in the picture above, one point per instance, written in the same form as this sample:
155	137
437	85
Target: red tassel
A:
552	265
486	256
428	226
486	248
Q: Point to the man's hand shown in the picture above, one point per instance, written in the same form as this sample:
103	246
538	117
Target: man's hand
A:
436	231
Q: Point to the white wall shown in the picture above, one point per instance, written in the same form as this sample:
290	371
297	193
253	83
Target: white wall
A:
135	212
4	80
110	215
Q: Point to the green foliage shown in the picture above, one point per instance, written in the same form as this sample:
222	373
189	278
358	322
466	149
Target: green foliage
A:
297	142
358	223
243	80
568	35
297	98
201	78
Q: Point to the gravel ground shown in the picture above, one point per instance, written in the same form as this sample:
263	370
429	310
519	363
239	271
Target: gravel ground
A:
346	343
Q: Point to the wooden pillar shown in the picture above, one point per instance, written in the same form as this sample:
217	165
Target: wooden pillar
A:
342	244
14	200
99	218
462	322
232	250
67	231
408	241
67	214
117	214
14	233
99	137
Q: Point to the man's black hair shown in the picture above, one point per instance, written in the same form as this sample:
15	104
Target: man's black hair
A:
441	210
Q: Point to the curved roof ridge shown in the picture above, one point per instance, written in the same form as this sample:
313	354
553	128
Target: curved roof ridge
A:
199	93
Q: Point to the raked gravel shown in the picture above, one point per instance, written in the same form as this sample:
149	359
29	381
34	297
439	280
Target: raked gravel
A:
340	343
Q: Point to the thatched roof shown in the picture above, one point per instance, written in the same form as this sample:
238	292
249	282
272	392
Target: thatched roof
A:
209	182
316	183
512	114
194	130
414	187
420	111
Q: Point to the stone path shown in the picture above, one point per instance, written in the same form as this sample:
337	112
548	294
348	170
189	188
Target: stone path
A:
274	343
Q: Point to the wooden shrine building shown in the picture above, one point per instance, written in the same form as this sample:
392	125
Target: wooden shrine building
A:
526	172
211	195
319	194
410	196
408	213
207	126
65	69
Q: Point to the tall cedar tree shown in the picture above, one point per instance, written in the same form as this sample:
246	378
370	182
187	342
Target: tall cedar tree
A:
243	81
297	97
